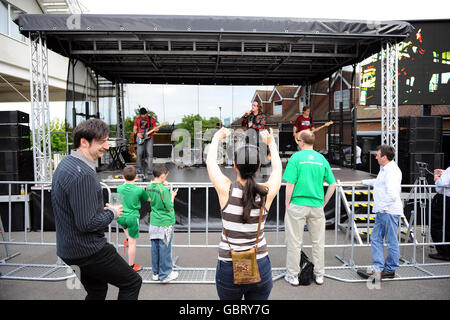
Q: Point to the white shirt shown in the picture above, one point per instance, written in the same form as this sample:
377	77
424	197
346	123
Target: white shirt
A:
387	189
444	180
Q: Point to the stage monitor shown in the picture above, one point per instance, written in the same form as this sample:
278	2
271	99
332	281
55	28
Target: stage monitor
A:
423	68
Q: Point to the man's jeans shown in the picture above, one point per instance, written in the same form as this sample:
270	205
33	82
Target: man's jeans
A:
386	227
227	290
144	153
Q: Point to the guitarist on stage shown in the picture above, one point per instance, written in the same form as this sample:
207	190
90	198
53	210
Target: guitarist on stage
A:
303	122
144	151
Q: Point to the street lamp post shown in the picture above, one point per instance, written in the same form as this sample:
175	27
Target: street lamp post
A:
220	115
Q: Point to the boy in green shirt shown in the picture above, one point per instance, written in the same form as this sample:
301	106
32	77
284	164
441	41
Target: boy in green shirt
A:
162	219
305	174
130	217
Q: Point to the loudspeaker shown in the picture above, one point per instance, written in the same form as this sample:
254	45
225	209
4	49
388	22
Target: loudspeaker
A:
410	170
162	150
287	141
16	162
14	130
14	144
14	117
420	122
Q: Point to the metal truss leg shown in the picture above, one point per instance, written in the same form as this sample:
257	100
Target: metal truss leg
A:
40	108
389	96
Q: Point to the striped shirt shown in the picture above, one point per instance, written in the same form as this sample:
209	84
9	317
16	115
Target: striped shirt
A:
242	236
77	201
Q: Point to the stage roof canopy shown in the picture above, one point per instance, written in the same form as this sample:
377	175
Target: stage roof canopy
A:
212	49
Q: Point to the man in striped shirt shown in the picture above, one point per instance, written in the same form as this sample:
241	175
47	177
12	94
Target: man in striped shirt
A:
81	217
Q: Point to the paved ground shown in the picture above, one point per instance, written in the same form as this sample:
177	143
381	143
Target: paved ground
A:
438	289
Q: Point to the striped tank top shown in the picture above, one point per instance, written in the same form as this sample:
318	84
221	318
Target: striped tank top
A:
242	236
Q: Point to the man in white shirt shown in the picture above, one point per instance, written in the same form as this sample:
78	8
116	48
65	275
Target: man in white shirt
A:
441	179
388	208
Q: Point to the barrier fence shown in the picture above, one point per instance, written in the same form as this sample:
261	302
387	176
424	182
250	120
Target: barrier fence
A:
353	218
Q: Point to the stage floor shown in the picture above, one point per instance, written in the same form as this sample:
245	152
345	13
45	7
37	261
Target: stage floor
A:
199	174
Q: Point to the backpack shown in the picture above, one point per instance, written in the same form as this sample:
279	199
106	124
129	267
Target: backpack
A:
306	275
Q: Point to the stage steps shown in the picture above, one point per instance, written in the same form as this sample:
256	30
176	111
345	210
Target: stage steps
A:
363	222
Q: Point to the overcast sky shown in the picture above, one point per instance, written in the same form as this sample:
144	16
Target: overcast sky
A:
172	102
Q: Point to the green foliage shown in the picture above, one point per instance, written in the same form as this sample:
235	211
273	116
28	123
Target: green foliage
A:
188	123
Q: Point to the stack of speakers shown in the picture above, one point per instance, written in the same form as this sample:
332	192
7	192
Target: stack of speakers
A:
16	163
420	140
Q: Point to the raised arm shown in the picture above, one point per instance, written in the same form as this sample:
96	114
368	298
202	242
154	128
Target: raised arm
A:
274	181
220	182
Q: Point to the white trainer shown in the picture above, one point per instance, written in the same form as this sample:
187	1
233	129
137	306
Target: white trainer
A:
292	280
172	276
155	277
319	280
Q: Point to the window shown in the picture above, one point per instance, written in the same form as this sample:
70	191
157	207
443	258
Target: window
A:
4	18
7	25
277	107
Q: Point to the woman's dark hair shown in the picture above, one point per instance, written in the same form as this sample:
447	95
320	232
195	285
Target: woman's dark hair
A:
246	159
89	130
142	111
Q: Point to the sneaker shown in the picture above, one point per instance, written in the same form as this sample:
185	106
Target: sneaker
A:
172	276
155	277
136	267
292	280
319	279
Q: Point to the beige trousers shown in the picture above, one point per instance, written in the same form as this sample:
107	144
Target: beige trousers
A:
294	222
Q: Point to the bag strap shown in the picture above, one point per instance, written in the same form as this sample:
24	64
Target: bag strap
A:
162	199
259	226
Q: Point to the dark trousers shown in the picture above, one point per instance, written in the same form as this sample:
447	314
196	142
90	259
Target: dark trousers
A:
107	266
437	219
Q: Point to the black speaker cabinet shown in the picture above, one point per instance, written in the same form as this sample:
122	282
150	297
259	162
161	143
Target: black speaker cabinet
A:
16	161
14	144
14	117
410	170
14	130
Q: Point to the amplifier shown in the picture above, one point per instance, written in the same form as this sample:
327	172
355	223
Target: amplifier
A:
14	117
14	144
286	127
162	150
286	141
14	130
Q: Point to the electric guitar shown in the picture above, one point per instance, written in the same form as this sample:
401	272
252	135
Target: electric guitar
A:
329	123
148	132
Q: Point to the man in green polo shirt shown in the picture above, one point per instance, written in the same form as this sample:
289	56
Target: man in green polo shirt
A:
305	174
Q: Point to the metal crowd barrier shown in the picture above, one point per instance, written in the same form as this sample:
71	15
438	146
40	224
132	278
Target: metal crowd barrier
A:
412	267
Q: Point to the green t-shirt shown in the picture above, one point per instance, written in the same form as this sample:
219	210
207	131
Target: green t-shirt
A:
132	199
308	169
162	214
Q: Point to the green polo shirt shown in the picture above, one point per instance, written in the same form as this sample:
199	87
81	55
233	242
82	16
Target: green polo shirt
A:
308	169
132	199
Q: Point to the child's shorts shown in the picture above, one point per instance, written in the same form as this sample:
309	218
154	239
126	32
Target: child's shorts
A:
132	224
